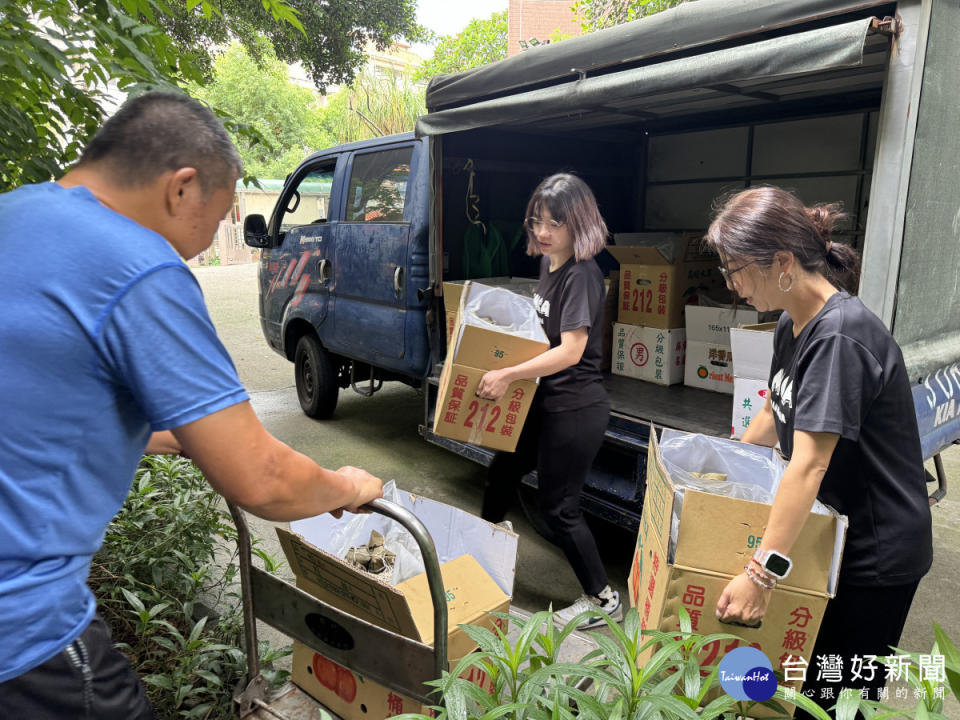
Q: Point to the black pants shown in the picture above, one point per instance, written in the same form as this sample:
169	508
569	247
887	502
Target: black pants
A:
561	446
859	621
88	680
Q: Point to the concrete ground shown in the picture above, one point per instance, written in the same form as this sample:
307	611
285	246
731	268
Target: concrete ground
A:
380	435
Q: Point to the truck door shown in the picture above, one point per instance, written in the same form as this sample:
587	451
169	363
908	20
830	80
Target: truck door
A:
370	257
304	223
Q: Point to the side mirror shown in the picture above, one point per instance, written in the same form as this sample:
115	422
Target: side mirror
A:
255	231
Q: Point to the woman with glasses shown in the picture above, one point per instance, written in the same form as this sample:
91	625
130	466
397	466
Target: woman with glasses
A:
565	426
841	406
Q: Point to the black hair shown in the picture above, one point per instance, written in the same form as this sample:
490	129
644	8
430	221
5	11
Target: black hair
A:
756	223
570	201
160	131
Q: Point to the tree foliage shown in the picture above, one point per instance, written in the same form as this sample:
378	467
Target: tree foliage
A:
331	46
263	96
480	42
373	107
64	63
600	14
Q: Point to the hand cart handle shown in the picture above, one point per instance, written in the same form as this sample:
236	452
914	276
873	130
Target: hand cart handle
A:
431	564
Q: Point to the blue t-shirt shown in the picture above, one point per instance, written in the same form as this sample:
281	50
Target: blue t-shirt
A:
105	337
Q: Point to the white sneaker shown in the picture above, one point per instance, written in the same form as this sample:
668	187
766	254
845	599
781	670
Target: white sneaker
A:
607	602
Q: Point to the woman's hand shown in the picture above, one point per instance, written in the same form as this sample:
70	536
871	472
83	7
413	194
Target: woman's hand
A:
743	601
493	385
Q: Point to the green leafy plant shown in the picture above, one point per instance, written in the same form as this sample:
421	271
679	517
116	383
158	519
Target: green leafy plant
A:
929	705
529	683
164	566
600	14
481	41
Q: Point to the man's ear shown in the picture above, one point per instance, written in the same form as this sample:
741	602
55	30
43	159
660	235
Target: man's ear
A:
180	184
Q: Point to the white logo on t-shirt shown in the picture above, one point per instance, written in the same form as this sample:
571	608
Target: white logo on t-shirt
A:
542	306
781	394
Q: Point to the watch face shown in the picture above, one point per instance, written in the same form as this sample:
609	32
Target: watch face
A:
778	565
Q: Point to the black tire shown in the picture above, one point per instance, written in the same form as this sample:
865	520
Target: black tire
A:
316	377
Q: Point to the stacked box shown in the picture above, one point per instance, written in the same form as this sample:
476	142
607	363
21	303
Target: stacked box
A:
660	273
647	353
715	536
709	363
753	354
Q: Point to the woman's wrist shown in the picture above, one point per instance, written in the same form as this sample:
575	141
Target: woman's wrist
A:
766	583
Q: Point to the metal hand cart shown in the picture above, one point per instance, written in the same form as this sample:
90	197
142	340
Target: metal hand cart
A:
395	661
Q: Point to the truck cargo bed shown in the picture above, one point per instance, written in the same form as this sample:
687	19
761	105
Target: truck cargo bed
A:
677	406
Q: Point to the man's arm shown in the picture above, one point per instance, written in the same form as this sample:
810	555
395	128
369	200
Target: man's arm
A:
254	470
162	443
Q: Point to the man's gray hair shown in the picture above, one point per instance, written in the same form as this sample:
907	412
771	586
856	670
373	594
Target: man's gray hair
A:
160	131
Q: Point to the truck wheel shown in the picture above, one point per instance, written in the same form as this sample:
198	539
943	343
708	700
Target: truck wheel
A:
316	378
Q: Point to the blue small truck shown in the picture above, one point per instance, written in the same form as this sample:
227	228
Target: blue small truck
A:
850	100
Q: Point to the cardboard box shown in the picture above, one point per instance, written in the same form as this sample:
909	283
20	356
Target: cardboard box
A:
749	395
478	563
709	362
715	538
659	277
752	347
453	289
649	354
351	695
460	414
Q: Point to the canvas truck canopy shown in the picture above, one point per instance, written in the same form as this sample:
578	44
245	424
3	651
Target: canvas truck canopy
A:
694	27
837	59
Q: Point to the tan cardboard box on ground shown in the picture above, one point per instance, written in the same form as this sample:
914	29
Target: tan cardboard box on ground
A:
476	583
460	414
351	696
453	289
649	354
715	539
752	347
710	357
654	287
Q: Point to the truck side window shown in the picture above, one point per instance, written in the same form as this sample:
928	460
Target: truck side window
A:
309	202
378	186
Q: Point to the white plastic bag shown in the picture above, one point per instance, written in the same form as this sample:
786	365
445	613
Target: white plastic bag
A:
499	309
356	531
753	472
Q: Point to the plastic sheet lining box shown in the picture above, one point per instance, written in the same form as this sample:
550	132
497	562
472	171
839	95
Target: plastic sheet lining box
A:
476	347
691	545
478	564
453	289
649	354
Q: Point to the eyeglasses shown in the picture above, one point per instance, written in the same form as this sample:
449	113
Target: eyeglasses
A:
728	273
533	224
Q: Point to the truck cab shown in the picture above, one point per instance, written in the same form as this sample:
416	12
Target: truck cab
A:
344	269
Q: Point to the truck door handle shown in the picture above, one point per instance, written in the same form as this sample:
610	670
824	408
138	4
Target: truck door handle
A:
323	270
398	281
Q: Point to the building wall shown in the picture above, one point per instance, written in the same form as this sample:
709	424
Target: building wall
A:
538	19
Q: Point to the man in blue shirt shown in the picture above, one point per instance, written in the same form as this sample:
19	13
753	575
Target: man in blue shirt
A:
107	350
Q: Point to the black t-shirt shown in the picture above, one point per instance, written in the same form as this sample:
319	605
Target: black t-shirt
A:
844	374
568	298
